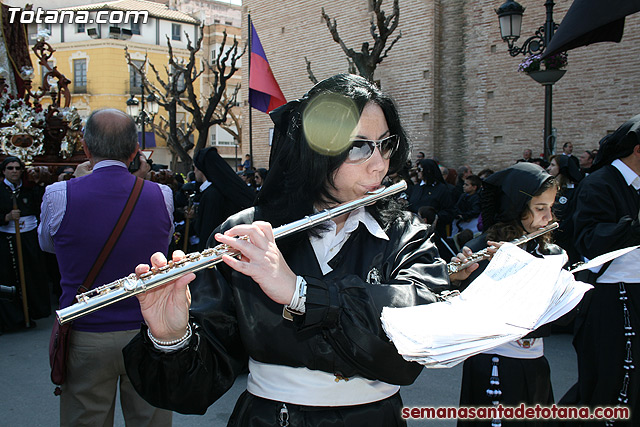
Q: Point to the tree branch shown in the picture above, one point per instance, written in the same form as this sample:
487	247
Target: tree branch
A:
310	74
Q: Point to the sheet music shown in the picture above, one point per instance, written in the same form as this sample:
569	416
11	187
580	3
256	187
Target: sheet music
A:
604	258
515	294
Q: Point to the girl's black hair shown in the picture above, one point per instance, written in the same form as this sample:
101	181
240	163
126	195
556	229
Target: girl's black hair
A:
506	196
300	177
513	229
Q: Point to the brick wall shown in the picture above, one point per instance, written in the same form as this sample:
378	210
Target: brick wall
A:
456	86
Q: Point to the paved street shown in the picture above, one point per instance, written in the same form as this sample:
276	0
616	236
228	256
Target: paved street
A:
28	398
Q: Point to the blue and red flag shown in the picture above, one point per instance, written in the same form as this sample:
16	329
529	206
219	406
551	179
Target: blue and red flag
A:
264	92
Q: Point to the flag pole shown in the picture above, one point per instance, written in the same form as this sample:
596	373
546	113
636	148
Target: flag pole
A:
250	26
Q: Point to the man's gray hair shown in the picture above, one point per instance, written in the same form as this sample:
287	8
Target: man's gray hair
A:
107	138
462	170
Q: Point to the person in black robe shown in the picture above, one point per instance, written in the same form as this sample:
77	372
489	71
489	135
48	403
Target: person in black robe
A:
607	218
432	191
223	193
515	201
566	169
28	198
302	314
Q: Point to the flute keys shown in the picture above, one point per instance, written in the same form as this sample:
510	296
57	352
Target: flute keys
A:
147	274
208	252
130	282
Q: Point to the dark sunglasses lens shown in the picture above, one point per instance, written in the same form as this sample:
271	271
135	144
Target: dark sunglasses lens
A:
13	168
388	146
360	150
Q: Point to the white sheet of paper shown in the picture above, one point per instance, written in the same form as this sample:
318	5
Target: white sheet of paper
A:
604	258
515	294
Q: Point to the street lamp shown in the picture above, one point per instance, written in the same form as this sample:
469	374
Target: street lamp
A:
142	115
510	18
133	107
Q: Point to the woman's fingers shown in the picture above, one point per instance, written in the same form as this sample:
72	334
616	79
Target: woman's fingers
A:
177	255
158	259
255	233
141	269
266	229
494	246
461	258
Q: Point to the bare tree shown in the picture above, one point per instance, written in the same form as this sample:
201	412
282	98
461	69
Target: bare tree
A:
233	123
366	60
177	90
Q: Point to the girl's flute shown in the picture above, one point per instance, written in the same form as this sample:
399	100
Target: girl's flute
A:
454	267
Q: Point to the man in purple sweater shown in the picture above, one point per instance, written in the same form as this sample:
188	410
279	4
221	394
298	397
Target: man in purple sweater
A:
77	218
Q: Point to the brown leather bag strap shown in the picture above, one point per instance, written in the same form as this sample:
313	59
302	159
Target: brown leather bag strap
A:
115	235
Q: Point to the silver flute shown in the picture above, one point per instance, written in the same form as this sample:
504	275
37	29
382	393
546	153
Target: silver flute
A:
131	285
454	267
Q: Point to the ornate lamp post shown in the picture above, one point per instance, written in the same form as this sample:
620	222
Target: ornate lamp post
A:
141	114
510	18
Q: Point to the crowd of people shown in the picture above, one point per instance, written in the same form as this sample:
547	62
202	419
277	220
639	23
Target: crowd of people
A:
450	198
26	185
303	315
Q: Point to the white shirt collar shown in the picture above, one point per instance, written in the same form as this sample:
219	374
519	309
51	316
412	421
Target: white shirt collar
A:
11	186
105	163
329	243
361	215
204	185
629	175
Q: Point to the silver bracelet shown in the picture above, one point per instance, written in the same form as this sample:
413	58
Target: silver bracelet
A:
185	337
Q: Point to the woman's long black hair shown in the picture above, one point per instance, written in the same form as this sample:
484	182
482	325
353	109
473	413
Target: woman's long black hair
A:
300	177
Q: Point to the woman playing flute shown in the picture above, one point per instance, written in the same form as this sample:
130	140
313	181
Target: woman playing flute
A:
303	315
515	201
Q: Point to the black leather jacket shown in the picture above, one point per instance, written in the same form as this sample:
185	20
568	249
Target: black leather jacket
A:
340	333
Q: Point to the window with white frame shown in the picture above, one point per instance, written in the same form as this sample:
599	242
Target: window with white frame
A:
80	75
135	79
176	29
219	136
181	85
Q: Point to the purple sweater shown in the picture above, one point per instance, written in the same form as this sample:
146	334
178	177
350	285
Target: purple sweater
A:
94	204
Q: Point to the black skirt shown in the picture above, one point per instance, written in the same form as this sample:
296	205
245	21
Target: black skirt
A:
253	411
525	381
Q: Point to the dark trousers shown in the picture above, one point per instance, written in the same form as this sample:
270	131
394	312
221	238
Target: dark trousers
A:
253	411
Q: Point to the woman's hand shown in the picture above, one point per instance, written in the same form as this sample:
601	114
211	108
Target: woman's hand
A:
462	258
166	308
260	259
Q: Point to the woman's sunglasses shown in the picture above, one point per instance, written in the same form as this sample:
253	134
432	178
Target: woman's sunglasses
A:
13	168
362	149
